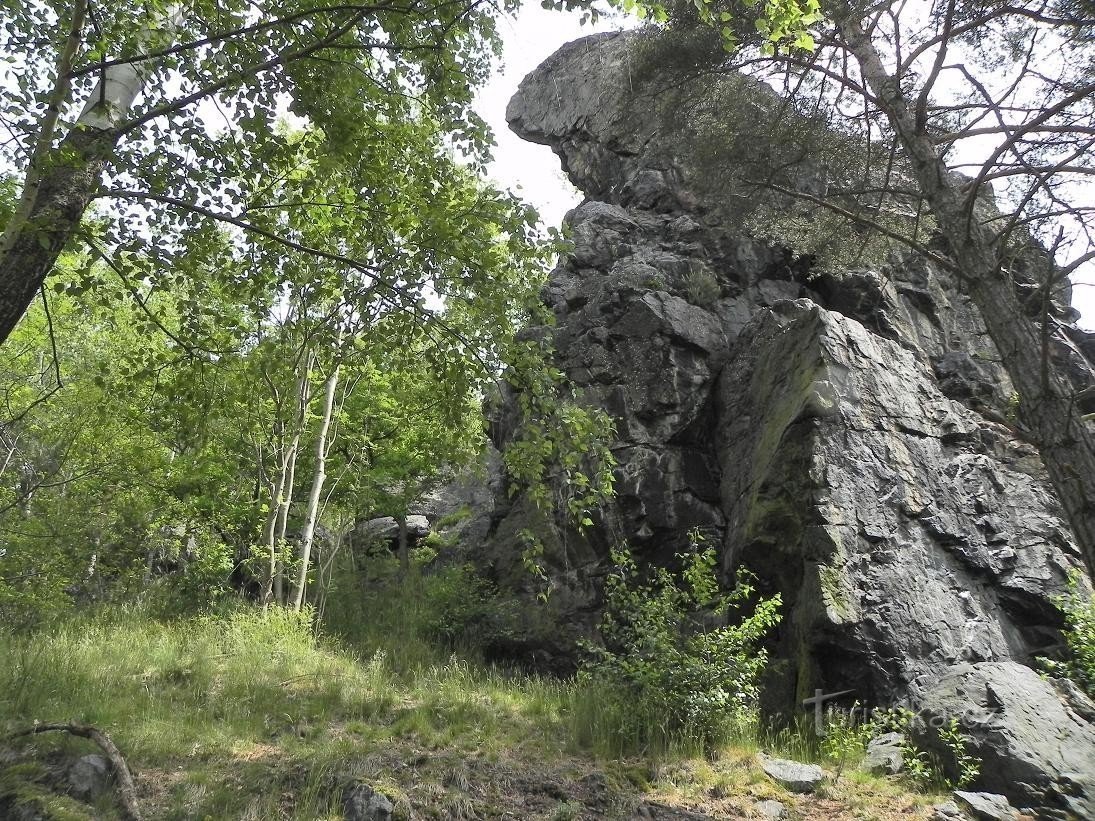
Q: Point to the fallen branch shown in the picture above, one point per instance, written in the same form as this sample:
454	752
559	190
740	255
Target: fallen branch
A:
126	788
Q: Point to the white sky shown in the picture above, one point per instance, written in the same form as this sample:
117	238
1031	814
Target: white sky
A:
533	171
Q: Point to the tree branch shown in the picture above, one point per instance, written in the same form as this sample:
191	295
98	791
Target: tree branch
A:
126	788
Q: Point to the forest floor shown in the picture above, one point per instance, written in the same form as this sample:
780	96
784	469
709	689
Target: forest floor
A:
250	716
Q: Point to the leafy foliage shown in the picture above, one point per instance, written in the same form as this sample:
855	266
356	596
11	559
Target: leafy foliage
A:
92	500
1079	613
781	24
672	676
194	362
919	766
560	455
845	739
422	615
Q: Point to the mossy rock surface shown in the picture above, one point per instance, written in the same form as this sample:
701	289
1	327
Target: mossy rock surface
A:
26	795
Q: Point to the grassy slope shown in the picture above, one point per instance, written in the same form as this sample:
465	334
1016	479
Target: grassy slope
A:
248	716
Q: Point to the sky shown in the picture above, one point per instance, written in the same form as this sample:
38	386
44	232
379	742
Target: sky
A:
533	171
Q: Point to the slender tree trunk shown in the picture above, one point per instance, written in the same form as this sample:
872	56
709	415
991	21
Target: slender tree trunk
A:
286	501
269	539
308	535
323	577
280	504
1046	401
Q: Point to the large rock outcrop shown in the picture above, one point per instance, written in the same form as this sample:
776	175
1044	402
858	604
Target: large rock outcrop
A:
843	433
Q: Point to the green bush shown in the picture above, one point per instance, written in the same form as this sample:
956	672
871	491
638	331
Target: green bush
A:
463	609
420	619
1079	662
956	767
702	288
665	678
201	583
845	740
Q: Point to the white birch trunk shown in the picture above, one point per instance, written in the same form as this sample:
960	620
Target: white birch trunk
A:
282	501
312	514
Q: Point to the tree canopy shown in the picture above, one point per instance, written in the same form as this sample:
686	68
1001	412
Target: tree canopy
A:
276	285
165	117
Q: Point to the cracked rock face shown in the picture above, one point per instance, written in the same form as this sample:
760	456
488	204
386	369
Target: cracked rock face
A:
844	434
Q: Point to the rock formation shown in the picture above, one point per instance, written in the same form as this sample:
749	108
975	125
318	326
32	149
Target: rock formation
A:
843	433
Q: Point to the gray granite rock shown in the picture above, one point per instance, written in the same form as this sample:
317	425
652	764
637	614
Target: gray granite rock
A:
879	509
360	802
985	806
774	810
88	777
384	530
948	811
843	433
794	776
885	754
1035	748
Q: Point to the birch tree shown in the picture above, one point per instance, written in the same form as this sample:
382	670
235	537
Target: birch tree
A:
147	109
315	494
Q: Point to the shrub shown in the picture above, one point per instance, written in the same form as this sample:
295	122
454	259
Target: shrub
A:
702	288
1079	662
845	739
664	677
956	768
464	609
422	618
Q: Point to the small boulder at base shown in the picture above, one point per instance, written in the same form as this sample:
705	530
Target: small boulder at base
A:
800	778
947	812
88	777
986	806
360	802
885	754
771	809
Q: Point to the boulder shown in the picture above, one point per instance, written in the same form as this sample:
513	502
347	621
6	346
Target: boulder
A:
796	777
360	802
88	777
774	810
384	530
885	754
947	811
1035	749
985	806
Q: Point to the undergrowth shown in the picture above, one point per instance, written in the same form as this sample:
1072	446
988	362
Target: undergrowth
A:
678	667
1079	661
264	698
247	714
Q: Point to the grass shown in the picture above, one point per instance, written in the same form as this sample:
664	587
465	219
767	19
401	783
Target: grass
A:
258	693
252	715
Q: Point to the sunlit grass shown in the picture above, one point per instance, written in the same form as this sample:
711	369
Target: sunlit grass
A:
257	691
253	714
